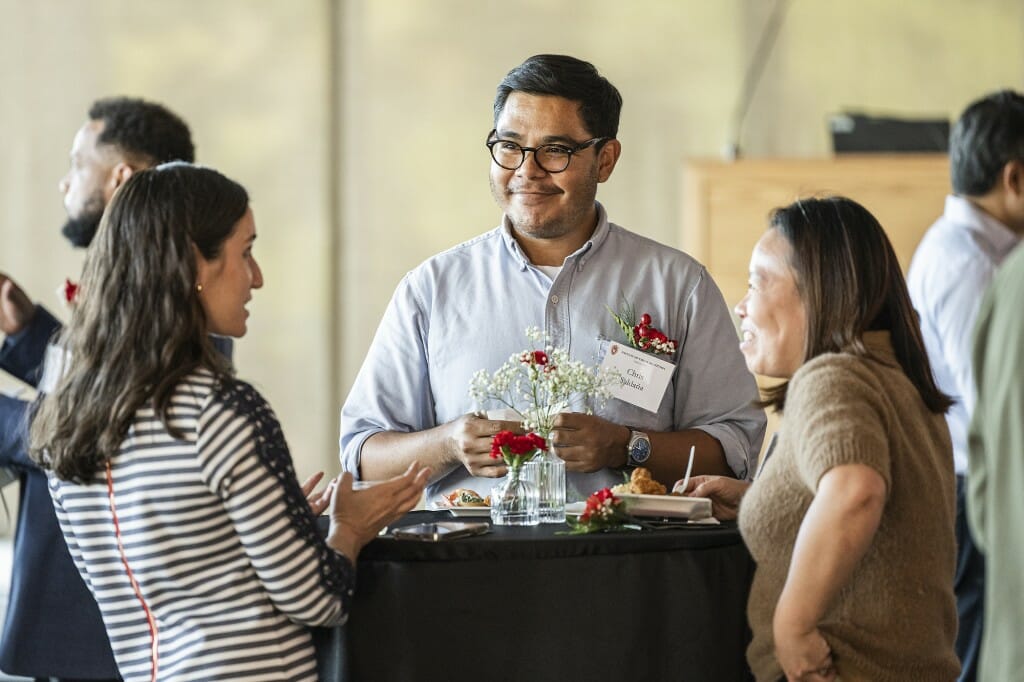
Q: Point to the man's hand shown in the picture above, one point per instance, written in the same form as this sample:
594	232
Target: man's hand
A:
589	443
470	444
725	494
16	310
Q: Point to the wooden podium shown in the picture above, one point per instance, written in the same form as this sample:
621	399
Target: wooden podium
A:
726	204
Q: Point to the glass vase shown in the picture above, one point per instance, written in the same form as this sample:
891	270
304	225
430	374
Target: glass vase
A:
547	471
514	501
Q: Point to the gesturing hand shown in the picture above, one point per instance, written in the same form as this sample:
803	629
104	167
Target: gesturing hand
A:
588	443
358	515
470	443
318	501
16	310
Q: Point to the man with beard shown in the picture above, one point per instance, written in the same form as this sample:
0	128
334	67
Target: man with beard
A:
53	626
555	261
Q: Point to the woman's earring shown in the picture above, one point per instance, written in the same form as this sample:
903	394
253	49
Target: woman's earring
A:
199	288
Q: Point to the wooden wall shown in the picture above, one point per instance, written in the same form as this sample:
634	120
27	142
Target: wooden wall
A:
726	204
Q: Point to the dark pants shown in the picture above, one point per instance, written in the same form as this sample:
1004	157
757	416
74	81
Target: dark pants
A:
969	586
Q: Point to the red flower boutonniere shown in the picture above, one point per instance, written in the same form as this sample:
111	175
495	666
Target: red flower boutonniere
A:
68	292
641	333
603	511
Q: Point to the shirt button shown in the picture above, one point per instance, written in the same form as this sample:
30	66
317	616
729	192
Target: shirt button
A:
554	298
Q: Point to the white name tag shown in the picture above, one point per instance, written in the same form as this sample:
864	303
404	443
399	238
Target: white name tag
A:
53	368
642	377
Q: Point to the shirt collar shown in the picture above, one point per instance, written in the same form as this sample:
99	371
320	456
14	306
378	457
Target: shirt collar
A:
597	238
996	235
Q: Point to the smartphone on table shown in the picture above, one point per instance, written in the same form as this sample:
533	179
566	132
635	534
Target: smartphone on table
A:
441	530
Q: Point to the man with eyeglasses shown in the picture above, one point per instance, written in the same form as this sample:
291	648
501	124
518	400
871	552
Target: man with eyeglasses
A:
555	262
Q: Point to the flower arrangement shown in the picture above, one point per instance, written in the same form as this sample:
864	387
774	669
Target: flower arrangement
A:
539	384
640	333
516	450
604	511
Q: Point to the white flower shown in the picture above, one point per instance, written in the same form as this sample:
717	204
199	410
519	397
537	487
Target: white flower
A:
539	384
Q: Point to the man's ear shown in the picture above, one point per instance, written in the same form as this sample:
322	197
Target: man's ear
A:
607	158
1013	179
118	175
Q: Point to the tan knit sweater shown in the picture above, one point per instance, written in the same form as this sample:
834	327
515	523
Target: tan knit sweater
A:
896	618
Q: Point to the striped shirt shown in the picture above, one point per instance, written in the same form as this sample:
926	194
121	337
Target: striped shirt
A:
218	536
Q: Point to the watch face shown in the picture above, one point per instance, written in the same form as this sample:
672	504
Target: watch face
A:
639	450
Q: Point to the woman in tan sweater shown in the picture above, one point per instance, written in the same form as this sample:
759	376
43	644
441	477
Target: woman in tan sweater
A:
850	517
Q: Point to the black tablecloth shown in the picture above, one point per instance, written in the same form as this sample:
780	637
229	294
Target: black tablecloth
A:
531	604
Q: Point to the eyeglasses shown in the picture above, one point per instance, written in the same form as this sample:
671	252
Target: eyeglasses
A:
553	158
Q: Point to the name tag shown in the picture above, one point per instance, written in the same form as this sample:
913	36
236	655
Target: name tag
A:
642	377
53	368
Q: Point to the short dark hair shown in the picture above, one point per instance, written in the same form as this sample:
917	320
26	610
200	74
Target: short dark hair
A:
988	135
850	282
571	78
140	327
147	131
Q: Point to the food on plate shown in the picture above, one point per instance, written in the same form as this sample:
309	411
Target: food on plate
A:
640	483
464	497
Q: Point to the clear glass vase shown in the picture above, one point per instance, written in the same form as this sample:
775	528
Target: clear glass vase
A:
514	501
547	471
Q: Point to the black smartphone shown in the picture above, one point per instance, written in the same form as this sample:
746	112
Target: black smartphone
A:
443	530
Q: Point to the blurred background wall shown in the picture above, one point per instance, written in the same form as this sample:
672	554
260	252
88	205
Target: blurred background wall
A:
358	127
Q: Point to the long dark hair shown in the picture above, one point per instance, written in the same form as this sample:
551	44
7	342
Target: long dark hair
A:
850	283
138	326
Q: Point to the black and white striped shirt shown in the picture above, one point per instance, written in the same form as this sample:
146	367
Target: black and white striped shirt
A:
219	538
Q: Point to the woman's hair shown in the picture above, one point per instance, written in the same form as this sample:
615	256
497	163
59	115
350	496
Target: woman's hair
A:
137	327
850	283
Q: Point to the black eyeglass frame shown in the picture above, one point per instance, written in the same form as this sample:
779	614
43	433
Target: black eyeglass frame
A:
522	151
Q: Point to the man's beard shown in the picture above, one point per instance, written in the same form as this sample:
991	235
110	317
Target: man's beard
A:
81	229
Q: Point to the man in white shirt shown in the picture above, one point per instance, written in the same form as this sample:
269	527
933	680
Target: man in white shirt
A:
951	269
555	261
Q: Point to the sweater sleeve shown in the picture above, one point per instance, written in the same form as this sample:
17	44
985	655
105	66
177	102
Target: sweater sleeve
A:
245	461
837	415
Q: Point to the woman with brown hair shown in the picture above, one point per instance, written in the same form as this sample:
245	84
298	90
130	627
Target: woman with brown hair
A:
850	517
171	479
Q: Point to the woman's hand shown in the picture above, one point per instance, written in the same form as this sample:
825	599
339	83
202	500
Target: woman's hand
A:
834	536
318	501
725	494
804	654
358	515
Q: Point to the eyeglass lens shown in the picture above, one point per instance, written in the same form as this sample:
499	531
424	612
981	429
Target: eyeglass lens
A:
552	157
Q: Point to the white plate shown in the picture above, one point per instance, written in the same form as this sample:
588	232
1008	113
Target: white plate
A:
672	506
470	511
575	508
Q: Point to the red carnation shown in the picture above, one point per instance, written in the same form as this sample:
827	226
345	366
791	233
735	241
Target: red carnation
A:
506	445
70	291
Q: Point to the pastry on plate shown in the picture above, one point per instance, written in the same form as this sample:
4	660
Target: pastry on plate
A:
640	483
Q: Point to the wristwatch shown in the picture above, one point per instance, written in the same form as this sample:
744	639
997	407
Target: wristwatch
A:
639	449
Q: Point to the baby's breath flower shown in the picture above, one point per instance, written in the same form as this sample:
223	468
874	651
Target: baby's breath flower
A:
539	384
